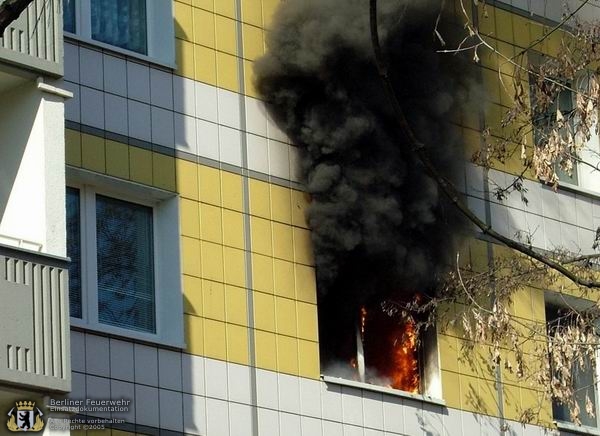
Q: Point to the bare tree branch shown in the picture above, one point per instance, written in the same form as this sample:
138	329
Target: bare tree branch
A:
10	11
445	185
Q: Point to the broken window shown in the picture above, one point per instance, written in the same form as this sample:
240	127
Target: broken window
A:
373	343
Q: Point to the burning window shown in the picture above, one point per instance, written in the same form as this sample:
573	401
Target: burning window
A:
368	344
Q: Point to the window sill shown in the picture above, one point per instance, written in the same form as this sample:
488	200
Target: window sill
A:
576	189
124	334
579	429
384	390
121	51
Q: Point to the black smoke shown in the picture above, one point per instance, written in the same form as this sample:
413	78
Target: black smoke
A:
379	224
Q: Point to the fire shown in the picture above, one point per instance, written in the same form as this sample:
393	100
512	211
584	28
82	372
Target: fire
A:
405	374
387	351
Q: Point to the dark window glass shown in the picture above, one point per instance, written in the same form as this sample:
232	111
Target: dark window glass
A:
121	23
74	251
69	16
125	264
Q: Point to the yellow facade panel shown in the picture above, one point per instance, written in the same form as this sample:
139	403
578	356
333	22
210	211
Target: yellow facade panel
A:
300	202
212	261
189	216
281	204
163	172
231	185
308	327
213	298
209	5
211	226
262	273
227	72
194	334
225	7
187	179
190	256
266	350
93	154
260	232
284	283
249	88
215	340
233	229
234	266
205	66
448	352
303	252
308	360
184	58
237	344
260	201
140	165
117	159
73	147
192	292
184	27
210	185
252	12
269	7
287	355
204	28
283	247
254	45
306	283
236	307
451	389
226	35
264	311
285	317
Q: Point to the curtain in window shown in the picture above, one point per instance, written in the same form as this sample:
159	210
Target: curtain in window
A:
125	264
69	16
74	251
121	23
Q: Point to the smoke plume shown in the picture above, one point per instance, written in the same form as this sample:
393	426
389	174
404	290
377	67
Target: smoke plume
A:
379	225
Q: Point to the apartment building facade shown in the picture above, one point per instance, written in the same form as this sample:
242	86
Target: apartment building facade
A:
144	180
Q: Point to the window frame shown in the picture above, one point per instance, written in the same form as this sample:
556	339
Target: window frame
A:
567	301
168	309
584	182
160	41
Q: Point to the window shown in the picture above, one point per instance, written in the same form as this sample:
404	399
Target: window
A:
581	376
371	344
584	173
124	275
143	27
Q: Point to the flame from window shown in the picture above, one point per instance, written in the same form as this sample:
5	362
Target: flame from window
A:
405	374
391	353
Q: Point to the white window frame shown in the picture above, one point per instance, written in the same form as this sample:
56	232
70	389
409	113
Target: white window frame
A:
167	265
566	301
159	27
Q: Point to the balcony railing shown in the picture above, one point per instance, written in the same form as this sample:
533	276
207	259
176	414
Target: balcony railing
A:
34	320
34	40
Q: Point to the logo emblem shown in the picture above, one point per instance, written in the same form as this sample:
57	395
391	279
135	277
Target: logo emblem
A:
25	417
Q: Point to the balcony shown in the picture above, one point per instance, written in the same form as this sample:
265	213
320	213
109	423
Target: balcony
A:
34	320
34	41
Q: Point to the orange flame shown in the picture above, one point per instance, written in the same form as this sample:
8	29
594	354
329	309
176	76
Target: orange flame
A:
405	375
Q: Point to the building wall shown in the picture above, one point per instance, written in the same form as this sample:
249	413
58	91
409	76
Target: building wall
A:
251	360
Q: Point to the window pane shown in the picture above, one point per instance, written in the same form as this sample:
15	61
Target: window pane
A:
69	16
74	251
125	264
583	375
121	23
